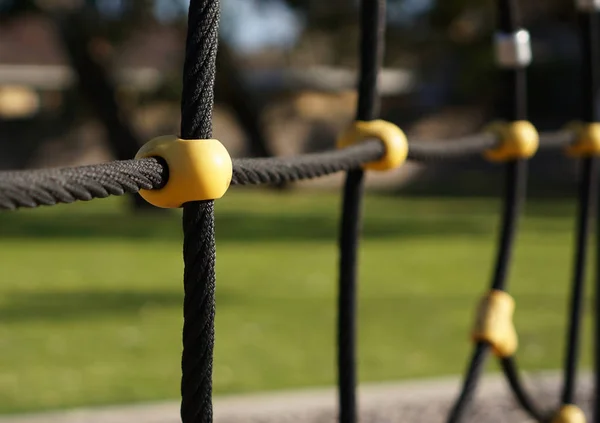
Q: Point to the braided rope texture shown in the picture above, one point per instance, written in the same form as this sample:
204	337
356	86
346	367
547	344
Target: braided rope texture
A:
53	186
277	170
44	187
199	249
199	279
199	69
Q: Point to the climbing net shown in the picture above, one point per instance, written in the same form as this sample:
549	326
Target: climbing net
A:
194	170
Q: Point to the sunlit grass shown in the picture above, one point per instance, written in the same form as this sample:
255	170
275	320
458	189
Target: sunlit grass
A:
90	295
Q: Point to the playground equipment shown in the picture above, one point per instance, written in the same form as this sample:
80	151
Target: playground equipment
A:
193	170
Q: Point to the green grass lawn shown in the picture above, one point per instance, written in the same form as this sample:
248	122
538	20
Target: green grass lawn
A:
90	295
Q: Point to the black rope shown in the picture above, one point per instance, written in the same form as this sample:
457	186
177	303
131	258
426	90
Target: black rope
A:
516	179
372	20
511	372
476	365
556	140
472	146
512	100
274	170
346	325
588	186
516	174
589	33
512	105
590	64
461	148
507	16
66	185
590	79
198	218
33	188
513	197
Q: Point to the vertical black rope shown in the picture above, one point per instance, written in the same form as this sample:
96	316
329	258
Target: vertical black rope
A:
586	187
507	15
590	79
372	21
346	341
590	48
514	194
512	106
469	385
590	66
198	218
514	197
372	17
512	100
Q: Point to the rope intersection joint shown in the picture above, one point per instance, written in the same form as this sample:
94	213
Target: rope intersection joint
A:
198	170
569	414
518	140
587	139
494	323
392	137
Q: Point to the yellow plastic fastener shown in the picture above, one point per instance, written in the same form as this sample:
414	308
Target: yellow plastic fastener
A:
518	140
569	414
198	170
394	139
587	142
494	323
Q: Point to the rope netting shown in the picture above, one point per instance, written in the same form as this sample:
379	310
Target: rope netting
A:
32	188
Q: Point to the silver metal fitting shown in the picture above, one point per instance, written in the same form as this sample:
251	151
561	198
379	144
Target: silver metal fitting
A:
513	50
588	5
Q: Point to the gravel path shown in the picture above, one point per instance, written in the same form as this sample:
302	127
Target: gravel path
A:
425	401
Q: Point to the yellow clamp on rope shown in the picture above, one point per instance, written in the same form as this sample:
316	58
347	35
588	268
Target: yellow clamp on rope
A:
494	323
198	170
587	142
394	140
518	140
569	414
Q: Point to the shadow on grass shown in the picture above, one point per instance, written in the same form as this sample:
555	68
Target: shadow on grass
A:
231	226
60	305
95	304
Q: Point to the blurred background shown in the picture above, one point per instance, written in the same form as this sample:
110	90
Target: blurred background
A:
90	304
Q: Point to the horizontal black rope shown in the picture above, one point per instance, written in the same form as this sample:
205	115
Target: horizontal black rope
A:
38	187
473	145
556	140
33	188
286	169
459	148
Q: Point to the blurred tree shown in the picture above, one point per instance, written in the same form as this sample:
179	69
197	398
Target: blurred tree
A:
87	35
448	42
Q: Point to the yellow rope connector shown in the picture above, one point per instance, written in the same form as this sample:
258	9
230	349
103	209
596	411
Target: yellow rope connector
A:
393	138
198	170
569	414
494	323
518	140
587	142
